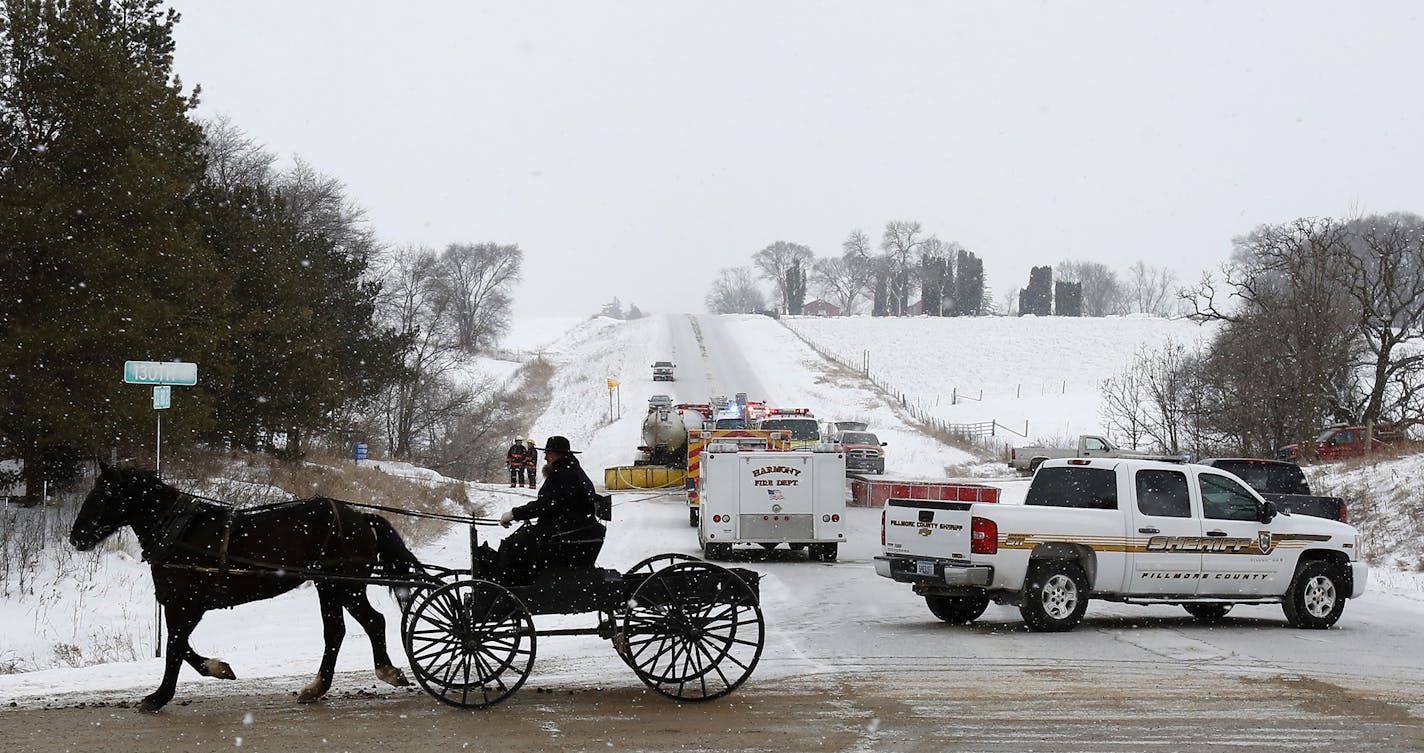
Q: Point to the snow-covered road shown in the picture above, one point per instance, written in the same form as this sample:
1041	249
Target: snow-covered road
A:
845	648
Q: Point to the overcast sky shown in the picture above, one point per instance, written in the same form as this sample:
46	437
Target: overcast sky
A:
634	148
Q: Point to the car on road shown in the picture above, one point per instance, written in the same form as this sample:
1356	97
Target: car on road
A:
863	450
1027	459
663	371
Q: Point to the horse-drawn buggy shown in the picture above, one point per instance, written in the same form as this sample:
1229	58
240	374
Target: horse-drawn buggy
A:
690	630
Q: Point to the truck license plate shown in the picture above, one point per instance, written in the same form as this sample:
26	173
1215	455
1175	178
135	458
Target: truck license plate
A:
924	567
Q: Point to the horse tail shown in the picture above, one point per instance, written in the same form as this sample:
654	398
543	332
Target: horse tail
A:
395	556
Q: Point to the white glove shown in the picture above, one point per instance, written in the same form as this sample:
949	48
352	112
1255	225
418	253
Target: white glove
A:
506	518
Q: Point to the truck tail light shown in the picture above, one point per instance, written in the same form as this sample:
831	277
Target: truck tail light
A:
983	536
882	528
1013	453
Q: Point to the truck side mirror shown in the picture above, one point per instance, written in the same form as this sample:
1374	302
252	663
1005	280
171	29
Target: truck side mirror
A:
884	444
1266	512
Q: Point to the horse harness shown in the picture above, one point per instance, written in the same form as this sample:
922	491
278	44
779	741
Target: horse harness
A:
171	530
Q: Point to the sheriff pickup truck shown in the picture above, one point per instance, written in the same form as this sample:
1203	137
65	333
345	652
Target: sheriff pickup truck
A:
1139	531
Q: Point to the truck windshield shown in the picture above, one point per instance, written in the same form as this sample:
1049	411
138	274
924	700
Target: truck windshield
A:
801	428
859	437
1093	488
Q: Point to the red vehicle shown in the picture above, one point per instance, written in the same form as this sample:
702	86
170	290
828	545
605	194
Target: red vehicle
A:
863	451
1342	442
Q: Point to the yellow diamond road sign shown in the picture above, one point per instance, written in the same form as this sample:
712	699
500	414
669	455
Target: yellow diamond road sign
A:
612	384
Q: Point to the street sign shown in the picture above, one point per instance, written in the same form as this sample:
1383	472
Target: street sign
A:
161	372
360	451
162	397
612	384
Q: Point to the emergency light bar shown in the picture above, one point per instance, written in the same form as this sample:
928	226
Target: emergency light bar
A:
788	411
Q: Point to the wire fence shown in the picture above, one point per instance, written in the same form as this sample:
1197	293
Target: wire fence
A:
990	435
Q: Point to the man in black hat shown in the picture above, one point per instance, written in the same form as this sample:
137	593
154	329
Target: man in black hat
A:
565	530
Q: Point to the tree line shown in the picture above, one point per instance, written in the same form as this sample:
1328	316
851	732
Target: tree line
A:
130	230
1321	321
911	271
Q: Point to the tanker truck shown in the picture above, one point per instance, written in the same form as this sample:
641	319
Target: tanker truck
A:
665	436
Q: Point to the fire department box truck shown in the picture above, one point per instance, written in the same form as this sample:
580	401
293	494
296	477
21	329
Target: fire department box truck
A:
771	498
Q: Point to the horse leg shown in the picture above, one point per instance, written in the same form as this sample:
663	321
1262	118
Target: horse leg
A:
374	623
334	631
181	621
208	667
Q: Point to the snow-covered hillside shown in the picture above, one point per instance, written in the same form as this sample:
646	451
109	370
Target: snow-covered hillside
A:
1045	371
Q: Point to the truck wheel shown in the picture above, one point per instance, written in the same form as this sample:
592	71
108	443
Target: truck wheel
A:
1208	613
957	610
1316	596
1055	596
693	519
823	552
1033	465
717	551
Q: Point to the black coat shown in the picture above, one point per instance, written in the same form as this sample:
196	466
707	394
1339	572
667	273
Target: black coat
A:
514	458
565	501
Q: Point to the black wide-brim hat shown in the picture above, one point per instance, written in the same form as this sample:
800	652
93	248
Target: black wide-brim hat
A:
557	443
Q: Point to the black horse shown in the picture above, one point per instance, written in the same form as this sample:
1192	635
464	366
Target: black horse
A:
208	556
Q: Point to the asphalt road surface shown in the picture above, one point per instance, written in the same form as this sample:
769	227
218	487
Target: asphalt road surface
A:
905	706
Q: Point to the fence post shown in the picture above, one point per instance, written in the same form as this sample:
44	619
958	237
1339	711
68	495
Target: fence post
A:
1018	391
954	398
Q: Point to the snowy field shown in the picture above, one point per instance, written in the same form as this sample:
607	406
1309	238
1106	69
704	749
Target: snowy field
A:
87	623
1045	371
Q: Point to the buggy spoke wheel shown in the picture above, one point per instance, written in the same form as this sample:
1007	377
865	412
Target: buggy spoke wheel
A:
659	561
470	643
692	631
438	577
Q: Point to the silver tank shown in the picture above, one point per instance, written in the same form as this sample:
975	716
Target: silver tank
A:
663	428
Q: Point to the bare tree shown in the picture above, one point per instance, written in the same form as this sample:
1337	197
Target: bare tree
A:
319	205
901	241
233	158
476	279
1151	290
1385	262
1103	295
840	280
735	291
425	397
776	260
1286	279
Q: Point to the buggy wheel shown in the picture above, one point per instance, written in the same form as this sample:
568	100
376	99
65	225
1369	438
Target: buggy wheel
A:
439	576
659	561
692	631
470	643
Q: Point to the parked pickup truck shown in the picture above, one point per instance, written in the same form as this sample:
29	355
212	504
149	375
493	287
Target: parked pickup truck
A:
1136	531
1284	484
1341	442
1027	459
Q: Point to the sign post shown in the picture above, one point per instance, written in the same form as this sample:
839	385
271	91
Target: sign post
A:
163	376
612	385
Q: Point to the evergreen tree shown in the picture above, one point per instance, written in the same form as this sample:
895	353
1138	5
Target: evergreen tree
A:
795	288
301	344
969	292
99	261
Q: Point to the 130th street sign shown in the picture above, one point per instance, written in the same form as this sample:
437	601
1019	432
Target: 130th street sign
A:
161	372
